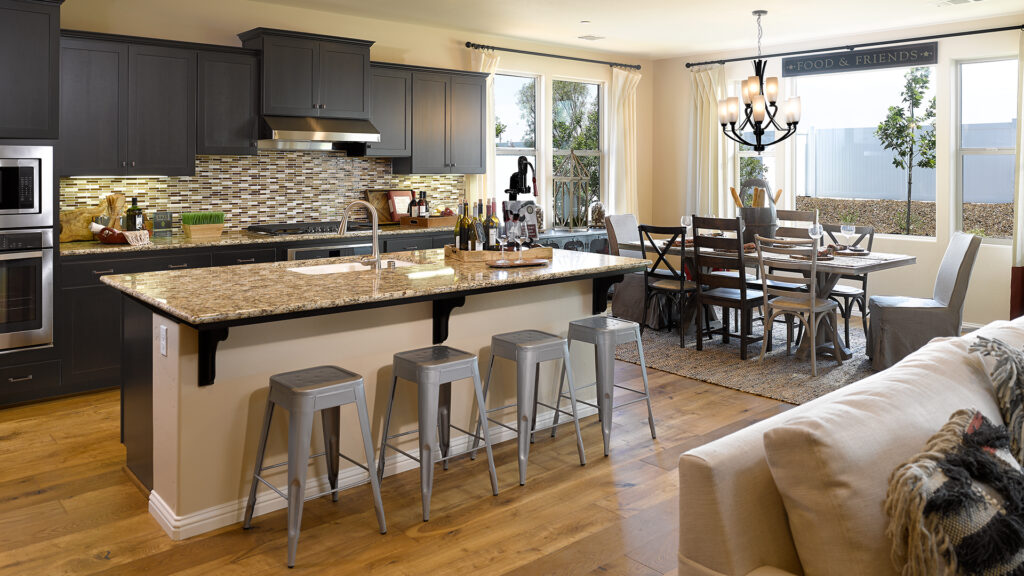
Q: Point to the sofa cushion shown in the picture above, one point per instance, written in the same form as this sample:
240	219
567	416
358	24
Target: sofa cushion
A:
958	506
831	464
1005	367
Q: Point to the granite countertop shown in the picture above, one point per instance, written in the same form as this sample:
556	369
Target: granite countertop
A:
209	295
229	238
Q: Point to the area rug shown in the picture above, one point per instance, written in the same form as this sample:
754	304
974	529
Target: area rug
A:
779	376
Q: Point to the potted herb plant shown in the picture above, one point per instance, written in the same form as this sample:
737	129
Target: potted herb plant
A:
202	224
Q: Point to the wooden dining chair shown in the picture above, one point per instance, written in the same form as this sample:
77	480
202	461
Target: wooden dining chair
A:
728	291
845	295
662	277
805	305
792	217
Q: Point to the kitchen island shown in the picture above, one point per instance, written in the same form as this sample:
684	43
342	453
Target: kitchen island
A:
200	346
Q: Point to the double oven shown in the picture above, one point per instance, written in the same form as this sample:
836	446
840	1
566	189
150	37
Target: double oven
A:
26	247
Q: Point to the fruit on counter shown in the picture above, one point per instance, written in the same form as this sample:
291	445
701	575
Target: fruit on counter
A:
447	212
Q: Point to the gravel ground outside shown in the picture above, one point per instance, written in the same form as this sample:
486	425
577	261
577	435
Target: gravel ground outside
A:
887	216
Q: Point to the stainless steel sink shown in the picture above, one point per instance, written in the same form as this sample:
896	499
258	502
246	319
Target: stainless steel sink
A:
347	267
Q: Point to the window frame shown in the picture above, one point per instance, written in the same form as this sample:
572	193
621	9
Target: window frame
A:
602	141
958	157
535	152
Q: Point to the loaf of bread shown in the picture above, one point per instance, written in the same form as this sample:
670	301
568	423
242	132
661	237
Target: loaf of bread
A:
74	224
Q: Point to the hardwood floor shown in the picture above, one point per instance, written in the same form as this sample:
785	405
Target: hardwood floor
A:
67	506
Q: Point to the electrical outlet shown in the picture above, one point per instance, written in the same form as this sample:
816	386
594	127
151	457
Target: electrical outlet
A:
163	340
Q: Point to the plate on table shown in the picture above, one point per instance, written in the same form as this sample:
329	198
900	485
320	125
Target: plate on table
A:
820	257
852	252
527	262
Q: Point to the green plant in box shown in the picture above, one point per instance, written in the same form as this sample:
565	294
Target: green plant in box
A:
200	218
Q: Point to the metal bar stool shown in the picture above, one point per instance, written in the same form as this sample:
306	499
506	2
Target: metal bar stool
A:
302	393
433	369
528	348
605	333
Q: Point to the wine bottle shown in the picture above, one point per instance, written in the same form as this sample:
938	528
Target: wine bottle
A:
494	225
133	217
474	238
424	206
466	228
458	230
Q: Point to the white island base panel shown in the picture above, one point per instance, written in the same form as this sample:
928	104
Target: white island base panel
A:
204	438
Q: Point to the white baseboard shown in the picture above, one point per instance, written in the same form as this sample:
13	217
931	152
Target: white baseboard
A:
182	527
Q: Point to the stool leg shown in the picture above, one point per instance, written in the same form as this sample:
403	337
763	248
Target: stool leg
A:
604	349
444	420
387	423
483	422
525	380
647	391
300	429
567	369
487	387
558	398
268	412
331	420
428	411
364	429
536	391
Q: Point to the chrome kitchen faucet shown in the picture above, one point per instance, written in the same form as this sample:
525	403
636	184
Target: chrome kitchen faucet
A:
374	259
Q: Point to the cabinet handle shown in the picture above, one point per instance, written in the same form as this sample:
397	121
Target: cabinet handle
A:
244	260
101	272
133	163
453	164
124	164
22	379
177	266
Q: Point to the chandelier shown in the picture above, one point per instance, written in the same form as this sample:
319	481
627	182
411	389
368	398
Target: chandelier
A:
760	110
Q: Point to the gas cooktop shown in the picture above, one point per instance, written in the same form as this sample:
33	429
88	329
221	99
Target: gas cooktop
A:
329	227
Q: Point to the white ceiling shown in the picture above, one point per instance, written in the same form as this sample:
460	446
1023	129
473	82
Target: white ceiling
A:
663	28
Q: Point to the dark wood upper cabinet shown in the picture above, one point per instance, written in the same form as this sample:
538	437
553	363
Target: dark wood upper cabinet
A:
448	119
126	108
312	74
391	111
93	108
29	68
161	111
468	118
227	104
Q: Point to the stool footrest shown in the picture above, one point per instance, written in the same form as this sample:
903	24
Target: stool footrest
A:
442	459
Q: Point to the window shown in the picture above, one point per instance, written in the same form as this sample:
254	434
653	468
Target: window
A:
985	154
842	166
576	126
515	126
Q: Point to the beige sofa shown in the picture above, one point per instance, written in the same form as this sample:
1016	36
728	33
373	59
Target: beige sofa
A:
802	492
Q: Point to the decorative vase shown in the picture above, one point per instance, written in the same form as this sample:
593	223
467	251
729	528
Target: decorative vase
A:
760	221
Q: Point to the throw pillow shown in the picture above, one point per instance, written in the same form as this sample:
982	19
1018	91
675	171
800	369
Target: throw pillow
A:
958	507
1007	377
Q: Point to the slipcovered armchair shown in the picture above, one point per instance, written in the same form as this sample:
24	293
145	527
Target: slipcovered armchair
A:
900	325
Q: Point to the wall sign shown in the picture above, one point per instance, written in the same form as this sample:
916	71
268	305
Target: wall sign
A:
885	57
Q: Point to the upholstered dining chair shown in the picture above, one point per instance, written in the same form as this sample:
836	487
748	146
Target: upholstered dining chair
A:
804	305
622	228
900	324
845	295
628	295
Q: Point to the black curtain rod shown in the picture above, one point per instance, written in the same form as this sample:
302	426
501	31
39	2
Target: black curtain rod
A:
855	46
485	47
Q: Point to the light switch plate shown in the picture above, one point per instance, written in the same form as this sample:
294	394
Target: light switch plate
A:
163	340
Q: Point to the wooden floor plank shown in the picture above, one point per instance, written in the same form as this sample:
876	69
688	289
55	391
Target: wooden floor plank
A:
67	507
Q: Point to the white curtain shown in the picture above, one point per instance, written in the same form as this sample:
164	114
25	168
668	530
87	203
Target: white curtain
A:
706	151
479	186
623	152
1018	165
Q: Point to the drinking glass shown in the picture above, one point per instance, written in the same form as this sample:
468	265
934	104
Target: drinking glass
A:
686	220
847	230
503	240
815	232
519	239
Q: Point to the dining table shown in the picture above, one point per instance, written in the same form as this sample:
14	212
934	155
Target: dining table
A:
829	272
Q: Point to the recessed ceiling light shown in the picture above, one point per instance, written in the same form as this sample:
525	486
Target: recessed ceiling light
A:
590	37
584	21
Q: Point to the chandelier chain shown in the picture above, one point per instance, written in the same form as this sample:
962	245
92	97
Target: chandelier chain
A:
760	32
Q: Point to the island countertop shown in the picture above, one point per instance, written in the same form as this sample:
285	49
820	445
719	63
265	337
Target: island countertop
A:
205	296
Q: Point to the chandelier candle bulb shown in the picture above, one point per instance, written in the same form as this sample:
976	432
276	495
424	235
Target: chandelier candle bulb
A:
733	105
793	110
754	86
771	89
723	111
746	94
758	107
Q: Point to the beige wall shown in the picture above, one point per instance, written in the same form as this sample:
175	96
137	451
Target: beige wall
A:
219	21
988	297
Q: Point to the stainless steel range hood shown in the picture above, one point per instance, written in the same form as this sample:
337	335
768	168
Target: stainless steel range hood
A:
304	133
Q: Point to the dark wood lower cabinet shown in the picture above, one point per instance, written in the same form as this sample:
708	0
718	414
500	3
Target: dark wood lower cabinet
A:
90	336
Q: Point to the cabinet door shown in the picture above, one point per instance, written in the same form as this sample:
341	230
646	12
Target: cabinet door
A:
344	80
93	108
29	68
290	67
91	341
161	111
227	104
430	123
391	112
467	117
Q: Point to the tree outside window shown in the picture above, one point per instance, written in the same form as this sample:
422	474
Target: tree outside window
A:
576	126
515	126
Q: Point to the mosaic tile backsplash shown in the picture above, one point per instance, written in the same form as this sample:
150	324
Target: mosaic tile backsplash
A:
270	187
